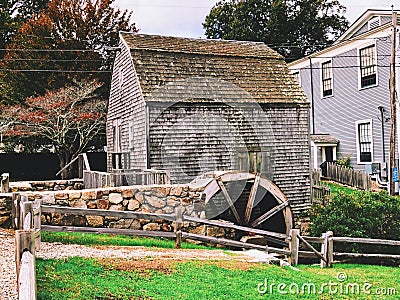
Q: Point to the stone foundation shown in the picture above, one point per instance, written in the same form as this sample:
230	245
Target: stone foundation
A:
42	186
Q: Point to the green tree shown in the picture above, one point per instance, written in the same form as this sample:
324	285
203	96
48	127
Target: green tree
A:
67	39
293	28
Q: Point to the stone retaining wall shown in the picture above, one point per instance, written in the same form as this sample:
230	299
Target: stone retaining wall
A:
152	199
41	186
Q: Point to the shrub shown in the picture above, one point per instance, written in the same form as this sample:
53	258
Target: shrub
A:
359	214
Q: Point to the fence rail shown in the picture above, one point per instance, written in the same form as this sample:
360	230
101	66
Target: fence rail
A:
349	177
96	179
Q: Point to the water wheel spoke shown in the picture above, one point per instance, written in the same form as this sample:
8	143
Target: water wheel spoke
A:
229	200
252	197
269	214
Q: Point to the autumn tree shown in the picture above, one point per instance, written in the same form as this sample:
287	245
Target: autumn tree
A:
294	28
67	41
12	14
68	119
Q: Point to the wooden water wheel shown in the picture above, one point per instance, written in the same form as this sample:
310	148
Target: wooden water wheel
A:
246	199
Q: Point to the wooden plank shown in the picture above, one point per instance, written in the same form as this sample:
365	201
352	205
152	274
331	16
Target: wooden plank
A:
229	200
269	214
365	241
252	197
15	210
27	277
366	255
312	239
107	213
234	226
307	254
222	241
166	234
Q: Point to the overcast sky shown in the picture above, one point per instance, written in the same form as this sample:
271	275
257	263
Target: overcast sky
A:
185	17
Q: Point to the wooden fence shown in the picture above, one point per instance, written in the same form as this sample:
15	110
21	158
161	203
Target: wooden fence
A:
95	179
27	218
327	254
319	188
349	177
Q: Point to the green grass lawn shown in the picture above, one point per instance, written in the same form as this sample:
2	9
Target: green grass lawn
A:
78	278
337	188
91	239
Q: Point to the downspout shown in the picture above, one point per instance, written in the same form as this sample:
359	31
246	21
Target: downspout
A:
147	137
312	98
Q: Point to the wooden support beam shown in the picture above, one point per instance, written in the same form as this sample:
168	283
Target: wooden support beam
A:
229	200
24	241
178	227
269	214
15	210
294	247
252	197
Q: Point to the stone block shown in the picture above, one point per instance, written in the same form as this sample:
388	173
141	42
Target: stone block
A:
152	227
156	202
91	204
127	194
61	196
74	195
89	195
78	204
48	199
176	191
102	204
133	205
95	221
139	197
115	198
116	207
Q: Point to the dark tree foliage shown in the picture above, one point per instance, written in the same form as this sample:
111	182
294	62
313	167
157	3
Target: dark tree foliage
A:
12	14
293	28
70	36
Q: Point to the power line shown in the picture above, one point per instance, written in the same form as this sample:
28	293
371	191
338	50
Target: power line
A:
55	71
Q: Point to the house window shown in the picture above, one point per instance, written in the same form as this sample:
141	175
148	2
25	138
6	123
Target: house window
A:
368	66
364	140
116	155
327	82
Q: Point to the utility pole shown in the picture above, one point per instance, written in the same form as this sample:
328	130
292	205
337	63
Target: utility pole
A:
393	119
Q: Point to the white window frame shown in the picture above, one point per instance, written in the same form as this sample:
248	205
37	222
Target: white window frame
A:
321	76
359	65
357	123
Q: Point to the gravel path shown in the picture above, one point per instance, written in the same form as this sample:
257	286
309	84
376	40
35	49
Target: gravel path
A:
8	287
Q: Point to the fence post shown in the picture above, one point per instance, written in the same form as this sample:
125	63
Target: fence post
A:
26	214
5	182
24	241
329	256
15	210
325	249
178	227
294	246
37	222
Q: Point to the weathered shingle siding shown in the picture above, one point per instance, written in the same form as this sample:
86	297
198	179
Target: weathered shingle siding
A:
126	103
337	114
193	131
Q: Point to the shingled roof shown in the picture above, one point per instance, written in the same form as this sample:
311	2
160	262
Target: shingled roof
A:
172	68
